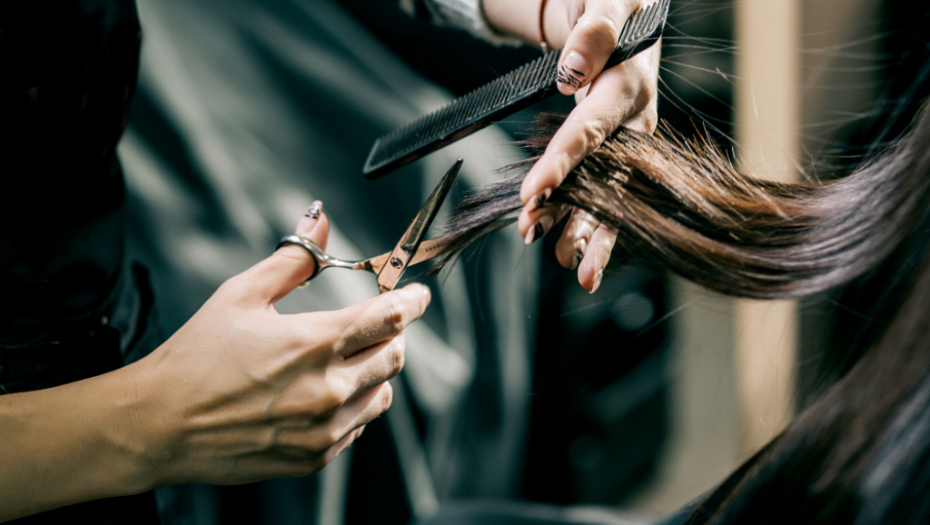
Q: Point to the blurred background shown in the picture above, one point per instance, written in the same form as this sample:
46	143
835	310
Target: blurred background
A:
519	385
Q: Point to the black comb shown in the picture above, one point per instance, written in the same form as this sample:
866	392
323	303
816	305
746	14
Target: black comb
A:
500	98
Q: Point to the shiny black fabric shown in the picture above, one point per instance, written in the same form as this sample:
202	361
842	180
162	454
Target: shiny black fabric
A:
67	74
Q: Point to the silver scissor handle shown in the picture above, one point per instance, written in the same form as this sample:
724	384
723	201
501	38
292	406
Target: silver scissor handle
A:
323	259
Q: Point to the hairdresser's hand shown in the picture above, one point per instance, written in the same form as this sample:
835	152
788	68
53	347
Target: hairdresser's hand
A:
625	95
239	393
244	393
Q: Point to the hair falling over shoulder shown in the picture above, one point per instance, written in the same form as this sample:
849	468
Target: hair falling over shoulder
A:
858	454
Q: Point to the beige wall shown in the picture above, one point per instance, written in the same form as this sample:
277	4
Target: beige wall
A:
766	126
800	67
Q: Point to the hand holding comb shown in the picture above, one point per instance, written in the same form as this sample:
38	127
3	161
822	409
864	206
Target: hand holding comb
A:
500	98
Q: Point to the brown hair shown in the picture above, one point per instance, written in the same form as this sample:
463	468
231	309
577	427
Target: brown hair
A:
861	452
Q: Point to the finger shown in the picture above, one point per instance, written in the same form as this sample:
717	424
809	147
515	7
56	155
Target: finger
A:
309	221
324	441
591	269
378	319
339	447
543	219
590	43
273	278
369	367
581	94
362	410
618	96
574	241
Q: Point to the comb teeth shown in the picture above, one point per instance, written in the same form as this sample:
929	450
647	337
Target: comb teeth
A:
500	98
642	23
475	106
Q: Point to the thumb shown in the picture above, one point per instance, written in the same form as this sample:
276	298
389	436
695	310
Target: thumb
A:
289	265
590	43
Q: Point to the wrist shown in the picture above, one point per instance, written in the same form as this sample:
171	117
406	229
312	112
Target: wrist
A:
125	439
67	445
141	426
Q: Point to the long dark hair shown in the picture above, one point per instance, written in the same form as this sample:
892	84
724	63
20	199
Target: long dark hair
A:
860	453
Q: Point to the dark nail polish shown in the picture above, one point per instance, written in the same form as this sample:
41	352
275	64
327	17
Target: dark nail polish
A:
579	255
538	201
538	232
543	226
573	70
580	246
569	77
314	210
541	199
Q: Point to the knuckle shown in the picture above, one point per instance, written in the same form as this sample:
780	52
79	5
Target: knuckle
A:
646	96
294	253
233	288
314	345
564	250
302	336
650	119
599	30
651	122
323	439
393	315
340	343
387	398
332	436
593	133
328	400
397	356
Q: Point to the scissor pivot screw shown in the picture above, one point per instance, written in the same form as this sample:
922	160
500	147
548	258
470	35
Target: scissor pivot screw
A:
396	263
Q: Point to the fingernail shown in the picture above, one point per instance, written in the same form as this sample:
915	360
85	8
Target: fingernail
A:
580	247
573	71
539	229
539	200
314	210
530	235
598	277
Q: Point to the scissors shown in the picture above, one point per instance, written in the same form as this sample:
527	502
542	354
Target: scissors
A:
410	250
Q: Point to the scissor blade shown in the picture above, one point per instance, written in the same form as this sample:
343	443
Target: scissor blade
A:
427	251
409	244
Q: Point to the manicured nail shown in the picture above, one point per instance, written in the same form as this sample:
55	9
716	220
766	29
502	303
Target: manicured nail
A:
539	200
530	234
314	210
573	71
539	229
580	247
598	277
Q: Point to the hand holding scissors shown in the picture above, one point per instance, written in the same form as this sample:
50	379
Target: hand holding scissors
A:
410	250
